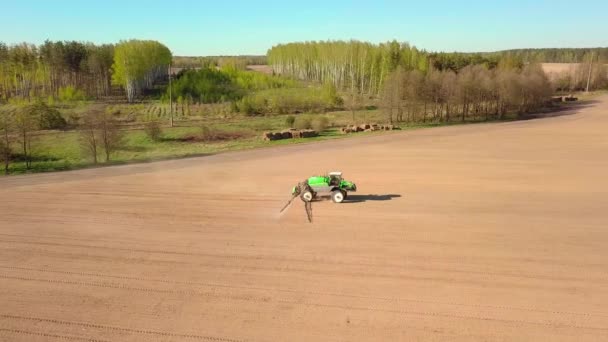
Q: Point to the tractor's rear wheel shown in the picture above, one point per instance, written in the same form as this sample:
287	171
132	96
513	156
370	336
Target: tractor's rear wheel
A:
337	196
307	196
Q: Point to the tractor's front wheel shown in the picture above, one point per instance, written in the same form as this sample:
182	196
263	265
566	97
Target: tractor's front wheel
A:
337	196
307	196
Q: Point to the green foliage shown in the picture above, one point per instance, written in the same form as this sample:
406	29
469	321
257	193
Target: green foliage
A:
554	55
28	70
330	94
254	81
47	117
205	86
70	94
209	85
286	101
137	63
153	130
456	61
345	64
303	122
320	123
207	133
289	120
213	61
514	59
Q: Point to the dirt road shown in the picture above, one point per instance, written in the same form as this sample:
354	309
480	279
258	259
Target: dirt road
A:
494	232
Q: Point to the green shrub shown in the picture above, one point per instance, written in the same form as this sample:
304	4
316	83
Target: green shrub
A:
286	101
206	86
320	123
246	106
48	117
153	130
290	120
330	94
71	94
303	122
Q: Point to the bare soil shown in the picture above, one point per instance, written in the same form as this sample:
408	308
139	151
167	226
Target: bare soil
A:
494	232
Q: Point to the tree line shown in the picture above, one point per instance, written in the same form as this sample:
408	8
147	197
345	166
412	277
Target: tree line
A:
476	92
349	65
86	70
363	66
457	60
554	55
30	71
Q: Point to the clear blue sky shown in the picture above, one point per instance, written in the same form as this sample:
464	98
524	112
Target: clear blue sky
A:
252	27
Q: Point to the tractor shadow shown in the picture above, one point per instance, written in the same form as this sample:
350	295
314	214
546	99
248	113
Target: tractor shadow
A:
365	198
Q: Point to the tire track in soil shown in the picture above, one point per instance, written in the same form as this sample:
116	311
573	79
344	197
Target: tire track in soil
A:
343	307
251	298
299	260
436	314
362	274
118	329
140	289
47	335
313	293
119	241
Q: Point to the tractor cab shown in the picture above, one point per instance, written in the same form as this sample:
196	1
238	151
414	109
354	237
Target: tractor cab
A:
335	178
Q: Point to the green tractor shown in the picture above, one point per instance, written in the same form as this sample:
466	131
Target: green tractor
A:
332	185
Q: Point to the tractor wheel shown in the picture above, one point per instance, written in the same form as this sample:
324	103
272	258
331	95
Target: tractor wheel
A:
307	196
337	196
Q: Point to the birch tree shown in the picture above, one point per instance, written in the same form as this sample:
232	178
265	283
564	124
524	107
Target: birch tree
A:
137	64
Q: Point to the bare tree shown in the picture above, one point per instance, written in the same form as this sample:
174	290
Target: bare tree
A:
391	93
434	91
355	99
415	93
25	123
6	126
448	91
89	134
475	92
110	133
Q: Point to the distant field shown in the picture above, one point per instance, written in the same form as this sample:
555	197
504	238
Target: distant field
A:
558	68
554	69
